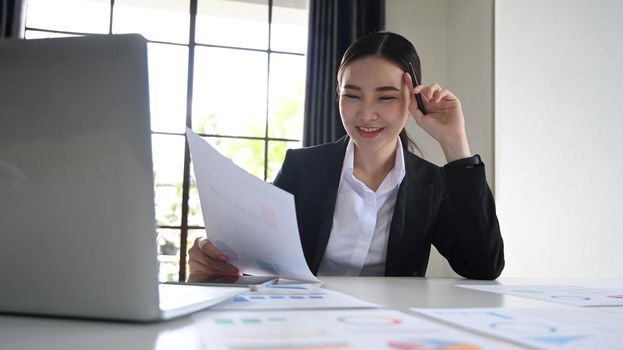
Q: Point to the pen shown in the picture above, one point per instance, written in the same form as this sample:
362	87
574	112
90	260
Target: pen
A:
418	97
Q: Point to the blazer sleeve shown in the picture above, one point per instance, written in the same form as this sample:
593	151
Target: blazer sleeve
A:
467	231
286	178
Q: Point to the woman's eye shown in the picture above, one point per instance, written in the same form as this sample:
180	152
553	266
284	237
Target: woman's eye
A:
352	97
387	98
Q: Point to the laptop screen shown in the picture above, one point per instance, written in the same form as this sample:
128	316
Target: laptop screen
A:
76	181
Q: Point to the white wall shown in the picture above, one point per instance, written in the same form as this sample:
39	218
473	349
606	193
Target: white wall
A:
559	136
454	39
424	23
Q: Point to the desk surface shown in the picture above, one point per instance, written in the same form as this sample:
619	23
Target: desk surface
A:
22	332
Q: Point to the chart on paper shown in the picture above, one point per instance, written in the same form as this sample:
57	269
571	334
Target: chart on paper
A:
280	297
564	328
578	295
332	330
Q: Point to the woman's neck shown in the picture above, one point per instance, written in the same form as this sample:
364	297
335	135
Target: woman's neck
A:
371	167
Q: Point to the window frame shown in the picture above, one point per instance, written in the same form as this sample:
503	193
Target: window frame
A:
184	227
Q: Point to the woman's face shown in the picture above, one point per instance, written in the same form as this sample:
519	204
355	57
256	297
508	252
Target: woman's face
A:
374	103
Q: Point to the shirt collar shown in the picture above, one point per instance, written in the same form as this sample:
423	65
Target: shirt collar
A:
393	178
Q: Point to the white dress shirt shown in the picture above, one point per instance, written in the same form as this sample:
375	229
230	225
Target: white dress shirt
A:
361	221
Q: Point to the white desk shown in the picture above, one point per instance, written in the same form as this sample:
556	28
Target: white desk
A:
23	332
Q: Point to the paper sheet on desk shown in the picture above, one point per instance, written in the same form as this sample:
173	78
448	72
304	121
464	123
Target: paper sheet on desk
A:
292	297
327	329
555	328
577	295
251	221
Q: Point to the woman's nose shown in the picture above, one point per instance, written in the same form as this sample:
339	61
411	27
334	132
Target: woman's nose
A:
368	111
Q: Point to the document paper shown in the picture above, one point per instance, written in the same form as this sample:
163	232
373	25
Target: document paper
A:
289	297
561	328
577	295
331	330
251	221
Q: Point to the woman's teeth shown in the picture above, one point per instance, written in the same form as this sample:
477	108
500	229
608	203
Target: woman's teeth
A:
369	129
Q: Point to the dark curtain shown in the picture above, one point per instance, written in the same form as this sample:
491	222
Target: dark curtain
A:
333	25
12	18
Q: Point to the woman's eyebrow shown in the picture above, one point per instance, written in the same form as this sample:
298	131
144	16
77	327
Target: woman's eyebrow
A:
380	88
387	88
352	87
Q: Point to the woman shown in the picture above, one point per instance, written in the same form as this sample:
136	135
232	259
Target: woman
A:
367	205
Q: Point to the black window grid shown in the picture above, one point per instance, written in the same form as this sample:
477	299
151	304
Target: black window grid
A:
184	227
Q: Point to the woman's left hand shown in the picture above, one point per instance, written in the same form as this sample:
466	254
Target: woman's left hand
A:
443	119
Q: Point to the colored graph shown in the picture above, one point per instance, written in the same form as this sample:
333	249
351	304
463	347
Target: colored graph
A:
276	297
570	297
523	327
369	320
431	344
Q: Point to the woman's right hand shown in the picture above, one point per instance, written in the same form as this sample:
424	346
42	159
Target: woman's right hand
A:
208	263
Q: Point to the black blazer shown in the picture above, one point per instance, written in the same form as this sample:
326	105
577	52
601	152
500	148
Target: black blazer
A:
451	207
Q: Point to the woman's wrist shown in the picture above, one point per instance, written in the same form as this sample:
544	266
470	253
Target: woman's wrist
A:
456	148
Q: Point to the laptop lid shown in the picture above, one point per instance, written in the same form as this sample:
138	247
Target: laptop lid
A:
77	227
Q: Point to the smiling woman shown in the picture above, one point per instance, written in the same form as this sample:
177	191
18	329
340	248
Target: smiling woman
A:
367	205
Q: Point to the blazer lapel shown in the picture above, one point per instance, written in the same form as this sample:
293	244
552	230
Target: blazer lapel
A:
321	180
410	222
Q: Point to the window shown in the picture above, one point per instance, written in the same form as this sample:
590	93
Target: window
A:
232	70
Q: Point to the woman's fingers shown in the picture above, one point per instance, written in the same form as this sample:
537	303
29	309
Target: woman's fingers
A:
205	265
408	80
429	91
434	93
204	260
207	261
208	248
439	95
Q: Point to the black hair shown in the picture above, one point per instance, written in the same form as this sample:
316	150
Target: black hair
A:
392	47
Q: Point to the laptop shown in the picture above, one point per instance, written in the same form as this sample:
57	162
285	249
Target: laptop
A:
77	222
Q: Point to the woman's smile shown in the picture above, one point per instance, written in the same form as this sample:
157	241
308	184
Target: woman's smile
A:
369	132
